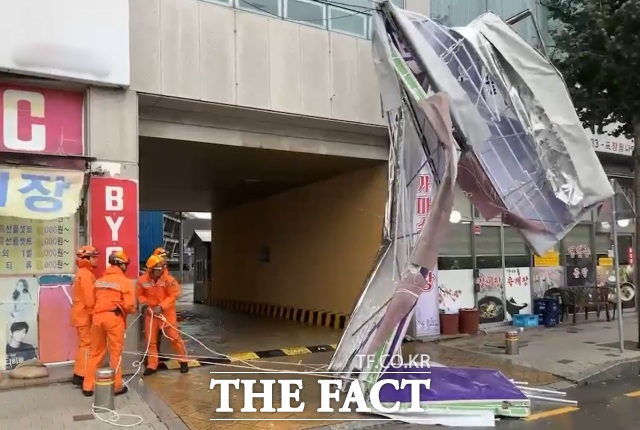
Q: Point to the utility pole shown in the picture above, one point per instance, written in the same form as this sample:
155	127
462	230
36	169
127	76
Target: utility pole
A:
636	207
181	247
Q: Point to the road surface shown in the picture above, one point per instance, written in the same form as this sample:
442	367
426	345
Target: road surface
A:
609	406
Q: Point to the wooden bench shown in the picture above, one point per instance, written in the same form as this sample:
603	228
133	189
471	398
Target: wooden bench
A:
590	299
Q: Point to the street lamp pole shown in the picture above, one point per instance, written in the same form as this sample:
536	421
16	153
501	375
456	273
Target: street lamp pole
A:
616	266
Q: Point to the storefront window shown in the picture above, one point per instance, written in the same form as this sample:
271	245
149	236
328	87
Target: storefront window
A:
487	245
516	252
579	262
455	252
490	281
603	244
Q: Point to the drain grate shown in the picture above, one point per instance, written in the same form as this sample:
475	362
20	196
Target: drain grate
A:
565	361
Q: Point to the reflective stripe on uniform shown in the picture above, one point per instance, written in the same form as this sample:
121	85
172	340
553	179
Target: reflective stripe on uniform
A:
111	285
147	284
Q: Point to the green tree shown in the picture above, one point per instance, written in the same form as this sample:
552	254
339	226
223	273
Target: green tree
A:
597	50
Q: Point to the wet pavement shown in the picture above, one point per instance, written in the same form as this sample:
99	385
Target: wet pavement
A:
455	357
612	406
228	332
191	399
576	353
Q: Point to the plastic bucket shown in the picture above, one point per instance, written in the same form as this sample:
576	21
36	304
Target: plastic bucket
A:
469	321
449	323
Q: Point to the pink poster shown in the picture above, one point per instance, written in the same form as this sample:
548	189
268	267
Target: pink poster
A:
57	341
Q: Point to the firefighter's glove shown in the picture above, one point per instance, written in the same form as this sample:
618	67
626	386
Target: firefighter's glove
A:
157	310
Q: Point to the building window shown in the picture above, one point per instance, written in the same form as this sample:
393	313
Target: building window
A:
347	16
222	2
488	248
347	21
455	251
199	271
516	252
356	5
268	7
306	11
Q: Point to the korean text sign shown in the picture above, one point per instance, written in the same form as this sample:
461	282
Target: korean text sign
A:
36	193
427	312
114	219
41	120
36	246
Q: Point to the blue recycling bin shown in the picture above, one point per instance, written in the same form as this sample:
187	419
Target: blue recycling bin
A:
548	311
551	316
539	308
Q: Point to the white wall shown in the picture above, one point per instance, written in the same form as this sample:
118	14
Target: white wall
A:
197	50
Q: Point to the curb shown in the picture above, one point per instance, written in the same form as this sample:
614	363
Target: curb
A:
312	317
618	370
245	356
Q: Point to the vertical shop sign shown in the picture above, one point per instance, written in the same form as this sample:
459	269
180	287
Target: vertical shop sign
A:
114	219
580	266
41	120
427	312
423	200
517	291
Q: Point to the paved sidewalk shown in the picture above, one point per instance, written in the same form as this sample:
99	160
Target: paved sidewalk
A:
191	399
582	353
61	406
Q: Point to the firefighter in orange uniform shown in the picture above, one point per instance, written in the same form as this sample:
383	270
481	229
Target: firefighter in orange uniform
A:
113	299
86	260
158	291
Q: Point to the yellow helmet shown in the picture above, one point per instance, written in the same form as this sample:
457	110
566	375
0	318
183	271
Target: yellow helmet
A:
154	262
118	257
160	252
87	251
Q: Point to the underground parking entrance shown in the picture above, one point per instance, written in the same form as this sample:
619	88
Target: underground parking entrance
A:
291	239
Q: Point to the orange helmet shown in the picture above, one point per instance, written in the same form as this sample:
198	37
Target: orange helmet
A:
87	252
155	262
118	257
161	252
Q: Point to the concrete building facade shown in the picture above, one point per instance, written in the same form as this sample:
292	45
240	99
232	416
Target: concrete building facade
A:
263	113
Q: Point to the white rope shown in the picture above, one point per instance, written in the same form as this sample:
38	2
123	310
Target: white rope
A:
246	363
114	417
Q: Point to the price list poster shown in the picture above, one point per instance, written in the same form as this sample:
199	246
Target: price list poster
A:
36	263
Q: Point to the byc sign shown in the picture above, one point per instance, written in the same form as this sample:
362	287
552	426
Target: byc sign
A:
114	219
39	120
